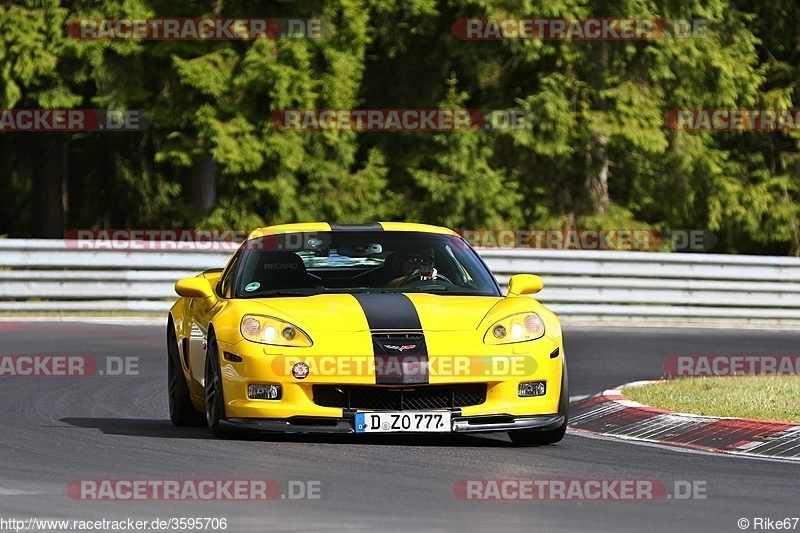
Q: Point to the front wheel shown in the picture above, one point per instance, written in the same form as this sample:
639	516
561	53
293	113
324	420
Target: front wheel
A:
181	409
215	404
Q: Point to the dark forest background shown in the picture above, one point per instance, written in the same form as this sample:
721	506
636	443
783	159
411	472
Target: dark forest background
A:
598	156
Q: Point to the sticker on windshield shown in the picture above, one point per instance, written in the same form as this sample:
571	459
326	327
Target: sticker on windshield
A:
252	286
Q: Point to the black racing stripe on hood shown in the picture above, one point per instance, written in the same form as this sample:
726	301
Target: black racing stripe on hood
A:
389	311
399	348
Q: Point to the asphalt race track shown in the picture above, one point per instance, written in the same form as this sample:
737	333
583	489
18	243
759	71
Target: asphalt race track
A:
59	429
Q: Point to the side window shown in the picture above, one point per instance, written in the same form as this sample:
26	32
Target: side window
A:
225	286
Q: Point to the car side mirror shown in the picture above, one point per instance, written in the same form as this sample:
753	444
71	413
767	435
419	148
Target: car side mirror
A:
520	284
194	288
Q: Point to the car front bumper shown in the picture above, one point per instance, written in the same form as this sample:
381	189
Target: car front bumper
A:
346	424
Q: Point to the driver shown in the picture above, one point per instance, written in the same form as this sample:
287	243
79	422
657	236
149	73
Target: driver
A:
413	264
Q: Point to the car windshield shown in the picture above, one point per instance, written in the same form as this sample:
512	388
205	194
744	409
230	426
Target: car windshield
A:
301	264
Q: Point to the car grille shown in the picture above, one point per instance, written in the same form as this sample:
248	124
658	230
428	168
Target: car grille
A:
399	398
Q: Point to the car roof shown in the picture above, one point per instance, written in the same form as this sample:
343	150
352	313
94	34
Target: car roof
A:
309	227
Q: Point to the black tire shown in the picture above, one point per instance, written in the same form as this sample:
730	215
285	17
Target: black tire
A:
533	437
214	401
181	409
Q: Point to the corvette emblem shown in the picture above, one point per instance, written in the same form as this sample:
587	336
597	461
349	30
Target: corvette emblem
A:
401	348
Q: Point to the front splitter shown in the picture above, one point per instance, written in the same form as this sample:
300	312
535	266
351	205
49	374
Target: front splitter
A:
461	424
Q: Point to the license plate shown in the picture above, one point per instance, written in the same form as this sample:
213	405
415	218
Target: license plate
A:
400	421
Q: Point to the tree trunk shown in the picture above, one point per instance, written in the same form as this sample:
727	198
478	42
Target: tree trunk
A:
201	192
597	147
793	225
48	155
597	178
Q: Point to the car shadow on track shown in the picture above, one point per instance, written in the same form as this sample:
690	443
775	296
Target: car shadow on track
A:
139	427
158	428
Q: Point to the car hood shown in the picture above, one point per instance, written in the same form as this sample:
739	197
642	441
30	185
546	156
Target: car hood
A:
348	313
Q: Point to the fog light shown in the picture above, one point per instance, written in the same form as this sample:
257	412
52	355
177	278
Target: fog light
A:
499	331
264	392
288	333
532	388
300	370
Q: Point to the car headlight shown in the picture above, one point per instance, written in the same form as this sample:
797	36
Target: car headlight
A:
515	328
271	330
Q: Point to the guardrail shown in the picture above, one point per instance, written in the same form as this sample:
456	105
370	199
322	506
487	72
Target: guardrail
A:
41	275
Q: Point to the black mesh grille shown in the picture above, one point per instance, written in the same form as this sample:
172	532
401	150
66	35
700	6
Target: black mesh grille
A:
399	398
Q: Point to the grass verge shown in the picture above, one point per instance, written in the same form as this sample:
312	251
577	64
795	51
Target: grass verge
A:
757	397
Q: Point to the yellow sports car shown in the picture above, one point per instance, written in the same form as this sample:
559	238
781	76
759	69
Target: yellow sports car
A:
368	328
